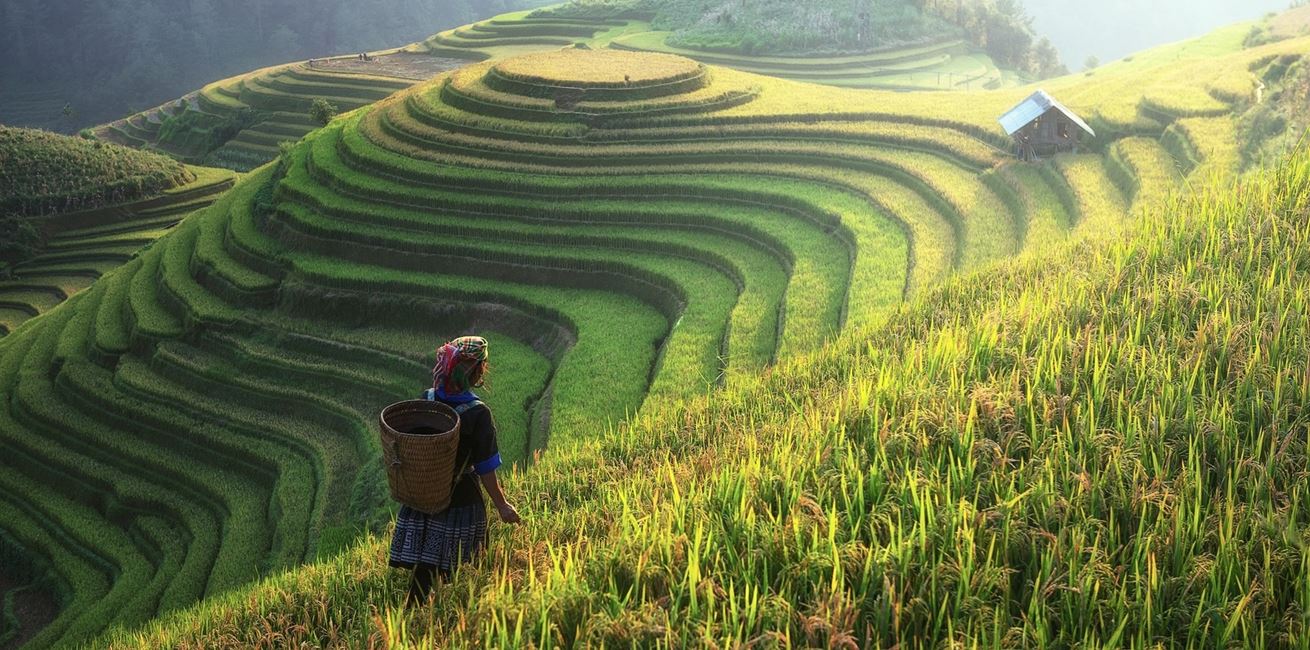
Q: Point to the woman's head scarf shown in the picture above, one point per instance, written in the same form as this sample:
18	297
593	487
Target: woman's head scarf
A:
458	365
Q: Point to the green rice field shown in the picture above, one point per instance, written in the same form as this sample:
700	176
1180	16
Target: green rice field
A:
773	363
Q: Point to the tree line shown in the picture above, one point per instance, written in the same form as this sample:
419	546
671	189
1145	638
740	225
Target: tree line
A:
1004	29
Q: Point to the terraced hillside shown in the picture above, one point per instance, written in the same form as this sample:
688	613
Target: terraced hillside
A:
240	122
1097	448
946	64
522	32
73	209
949	64
82	246
631	230
34	108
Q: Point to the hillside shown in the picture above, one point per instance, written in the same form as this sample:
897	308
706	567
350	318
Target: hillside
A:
998	33
72	209
239	122
777	27
46	173
926	54
1098	447
697	210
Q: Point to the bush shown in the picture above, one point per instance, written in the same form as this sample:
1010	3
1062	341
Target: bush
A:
321	111
46	173
234	124
19	240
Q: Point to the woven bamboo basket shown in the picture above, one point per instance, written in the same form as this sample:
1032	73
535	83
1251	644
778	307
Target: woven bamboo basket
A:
420	466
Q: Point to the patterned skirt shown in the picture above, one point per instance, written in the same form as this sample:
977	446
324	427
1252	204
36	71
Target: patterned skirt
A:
443	540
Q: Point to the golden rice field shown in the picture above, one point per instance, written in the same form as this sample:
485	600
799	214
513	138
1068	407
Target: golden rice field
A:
590	68
240	122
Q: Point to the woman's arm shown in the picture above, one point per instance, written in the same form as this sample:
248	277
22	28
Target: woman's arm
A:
507	512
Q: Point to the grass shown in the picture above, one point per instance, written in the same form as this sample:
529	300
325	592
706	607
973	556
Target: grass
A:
590	68
46	173
942	65
1048	221
756	272
1042	456
1101	202
104	456
1215	143
238	122
1143	170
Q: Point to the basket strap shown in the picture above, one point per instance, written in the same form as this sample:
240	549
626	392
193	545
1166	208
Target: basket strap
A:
460	410
467	406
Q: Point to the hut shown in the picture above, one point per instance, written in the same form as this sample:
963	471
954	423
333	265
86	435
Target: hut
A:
1042	127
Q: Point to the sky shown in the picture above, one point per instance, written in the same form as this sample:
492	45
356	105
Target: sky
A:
1112	29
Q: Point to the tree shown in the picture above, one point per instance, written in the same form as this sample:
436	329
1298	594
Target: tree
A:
1008	41
1092	63
19	240
1046	60
322	111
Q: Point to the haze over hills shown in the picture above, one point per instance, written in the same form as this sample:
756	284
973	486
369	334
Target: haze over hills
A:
1112	29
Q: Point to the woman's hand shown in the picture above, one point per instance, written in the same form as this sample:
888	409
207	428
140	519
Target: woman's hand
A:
508	514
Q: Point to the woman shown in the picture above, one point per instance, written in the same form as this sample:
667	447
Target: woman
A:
433	545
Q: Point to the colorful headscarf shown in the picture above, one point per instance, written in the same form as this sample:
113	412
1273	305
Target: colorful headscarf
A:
456	363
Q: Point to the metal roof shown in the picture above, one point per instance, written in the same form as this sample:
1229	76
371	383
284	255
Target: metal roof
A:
1035	107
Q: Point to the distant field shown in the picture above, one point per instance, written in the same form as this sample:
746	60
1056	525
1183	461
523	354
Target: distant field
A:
240	122
1293	23
942	66
33	108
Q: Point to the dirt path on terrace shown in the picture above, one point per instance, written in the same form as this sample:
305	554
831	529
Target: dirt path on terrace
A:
401	64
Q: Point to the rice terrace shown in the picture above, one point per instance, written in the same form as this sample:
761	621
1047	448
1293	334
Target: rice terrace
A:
851	324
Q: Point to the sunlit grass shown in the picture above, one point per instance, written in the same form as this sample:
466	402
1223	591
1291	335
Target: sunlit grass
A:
587	68
1096	448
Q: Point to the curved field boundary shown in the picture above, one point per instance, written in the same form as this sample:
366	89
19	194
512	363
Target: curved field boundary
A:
82	245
